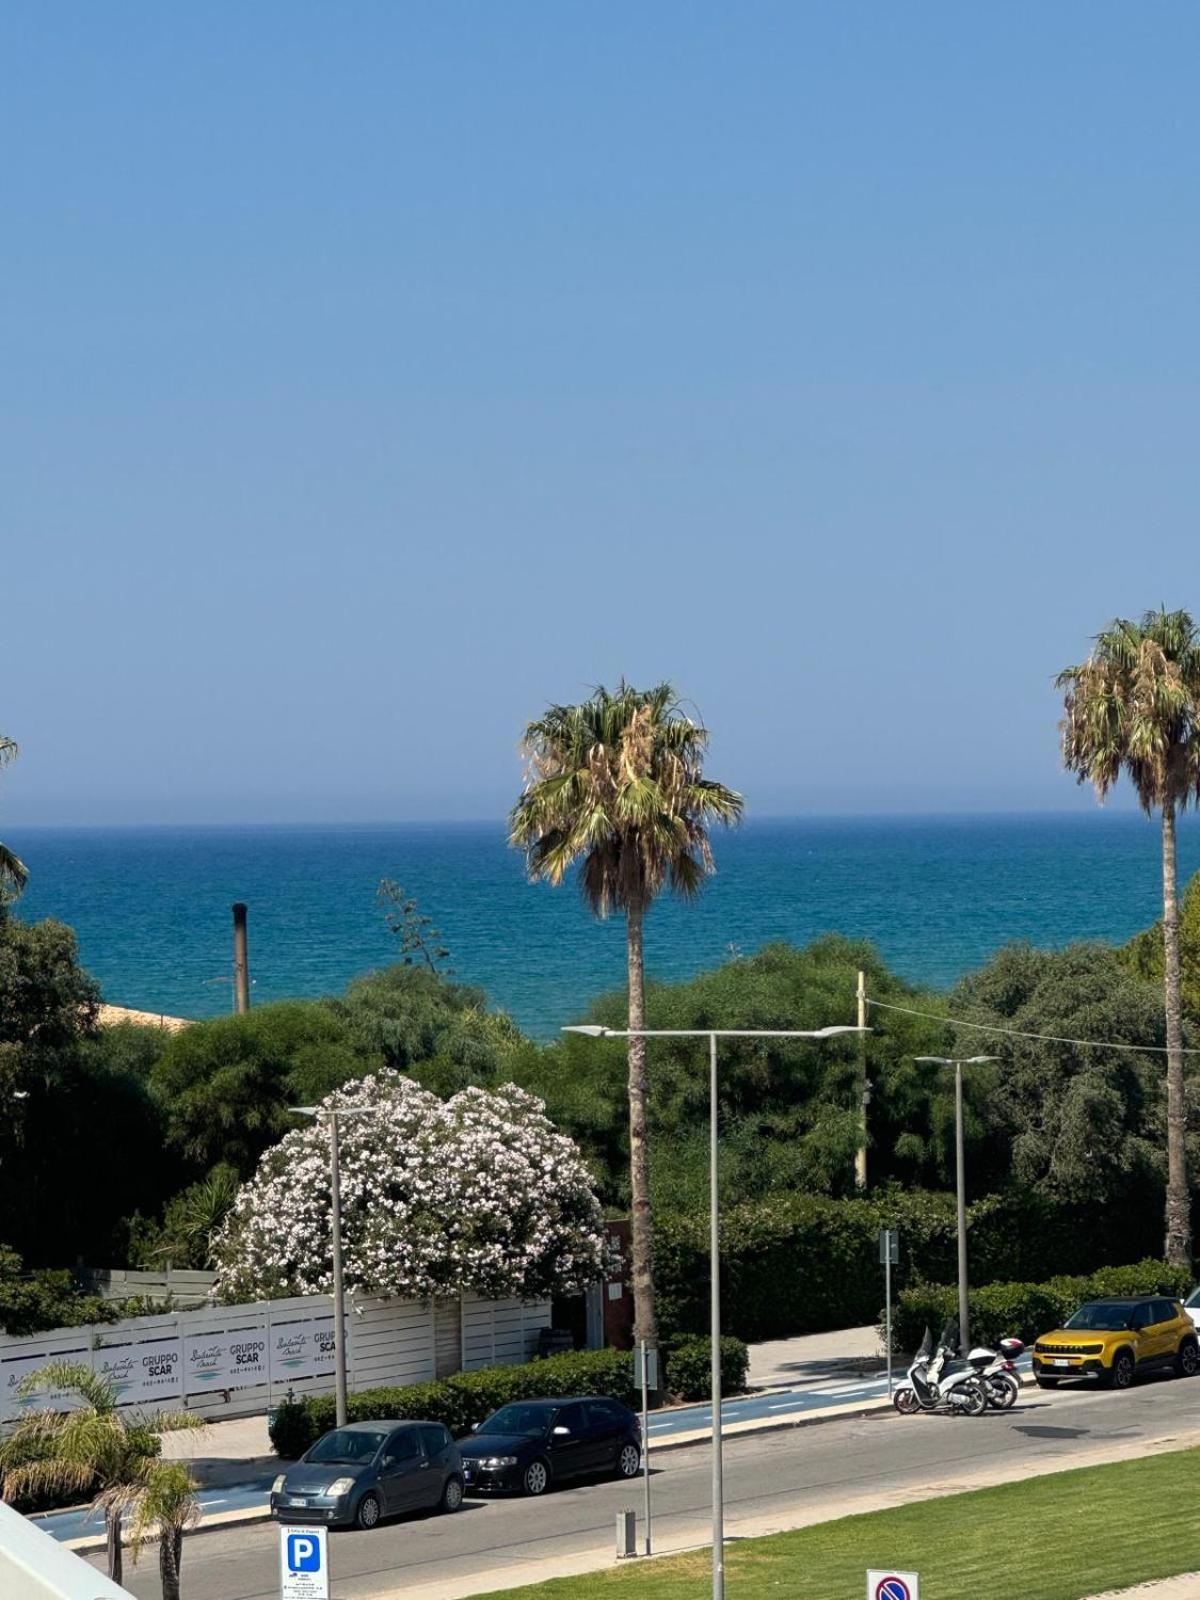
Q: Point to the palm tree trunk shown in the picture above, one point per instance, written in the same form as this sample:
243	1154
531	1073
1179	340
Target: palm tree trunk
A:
645	1324
112	1532
1179	1221
170	1556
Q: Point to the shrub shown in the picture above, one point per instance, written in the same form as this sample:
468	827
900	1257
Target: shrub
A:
689	1367
804	1263
461	1400
1025	1309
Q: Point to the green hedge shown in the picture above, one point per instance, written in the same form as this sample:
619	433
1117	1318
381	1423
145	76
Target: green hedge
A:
803	1263
689	1367
1025	1309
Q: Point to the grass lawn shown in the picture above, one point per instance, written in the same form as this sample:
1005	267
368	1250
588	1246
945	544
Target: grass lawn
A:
1058	1537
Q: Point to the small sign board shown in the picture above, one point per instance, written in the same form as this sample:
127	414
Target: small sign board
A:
889	1248
303	1562
893	1586
651	1368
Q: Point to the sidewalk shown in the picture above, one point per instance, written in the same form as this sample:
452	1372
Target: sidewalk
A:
1185	1587
791	1363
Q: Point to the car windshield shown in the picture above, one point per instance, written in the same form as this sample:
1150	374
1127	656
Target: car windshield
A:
528	1420
346	1445
1109	1318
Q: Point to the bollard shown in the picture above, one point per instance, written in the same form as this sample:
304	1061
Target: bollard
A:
626	1534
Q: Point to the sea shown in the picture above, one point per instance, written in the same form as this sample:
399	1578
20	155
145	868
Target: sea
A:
937	895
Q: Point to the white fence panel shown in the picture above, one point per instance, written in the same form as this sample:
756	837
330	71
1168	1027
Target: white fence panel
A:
236	1361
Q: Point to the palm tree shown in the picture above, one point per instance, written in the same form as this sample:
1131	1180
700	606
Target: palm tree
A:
14	874
1134	706
616	784
167	1503
92	1449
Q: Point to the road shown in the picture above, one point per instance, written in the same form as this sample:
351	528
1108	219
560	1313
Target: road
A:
773	1480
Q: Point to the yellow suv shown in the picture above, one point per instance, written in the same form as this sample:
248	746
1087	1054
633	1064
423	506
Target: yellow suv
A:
1114	1339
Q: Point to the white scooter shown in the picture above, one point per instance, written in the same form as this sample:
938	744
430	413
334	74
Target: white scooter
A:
998	1371
934	1385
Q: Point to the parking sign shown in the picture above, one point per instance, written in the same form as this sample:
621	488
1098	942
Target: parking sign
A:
893	1586
303	1563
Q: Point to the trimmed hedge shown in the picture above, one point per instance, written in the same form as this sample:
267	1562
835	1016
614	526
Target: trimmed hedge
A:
1026	1309
689	1367
804	1263
466	1398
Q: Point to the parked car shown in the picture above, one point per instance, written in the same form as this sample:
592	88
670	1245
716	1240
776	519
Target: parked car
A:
530	1444
368	1470
1116	1338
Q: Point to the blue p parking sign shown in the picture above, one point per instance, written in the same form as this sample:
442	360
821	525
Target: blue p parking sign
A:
893	1586
303	1563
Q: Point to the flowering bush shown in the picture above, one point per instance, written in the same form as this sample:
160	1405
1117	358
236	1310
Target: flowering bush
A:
478	1192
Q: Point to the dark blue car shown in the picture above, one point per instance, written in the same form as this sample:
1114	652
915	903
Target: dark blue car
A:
530	1444
368	1470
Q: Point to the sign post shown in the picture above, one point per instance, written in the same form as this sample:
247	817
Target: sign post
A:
646	1374
893	1586
889	1255
304	1563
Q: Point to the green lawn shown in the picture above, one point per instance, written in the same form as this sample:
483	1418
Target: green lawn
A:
1058	1537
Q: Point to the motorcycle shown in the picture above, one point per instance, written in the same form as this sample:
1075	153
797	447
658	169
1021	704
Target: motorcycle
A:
998	1371
934	1383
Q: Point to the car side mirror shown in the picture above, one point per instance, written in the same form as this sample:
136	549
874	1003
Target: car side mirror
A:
475	1427
560	1432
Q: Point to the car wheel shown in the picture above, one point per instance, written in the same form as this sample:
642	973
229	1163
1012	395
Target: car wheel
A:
1045	1383
452	1495
1187	1362
629	1459
369	1511
1120	1374
536	1478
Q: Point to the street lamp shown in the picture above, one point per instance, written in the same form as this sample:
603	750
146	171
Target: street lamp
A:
335	1184
964	1315
593	1030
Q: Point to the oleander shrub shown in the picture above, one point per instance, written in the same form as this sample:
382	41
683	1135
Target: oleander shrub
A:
1025	1310
688	1365
462	1400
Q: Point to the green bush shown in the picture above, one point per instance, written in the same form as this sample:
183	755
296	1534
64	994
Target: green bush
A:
1025	1310
462	1400
689	1367
804	1263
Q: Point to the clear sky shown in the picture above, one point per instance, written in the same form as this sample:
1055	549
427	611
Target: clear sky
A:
372	373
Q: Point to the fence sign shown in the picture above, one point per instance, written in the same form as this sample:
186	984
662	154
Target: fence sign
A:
893	1586
302	1349
303	1563
151	1370
226	1360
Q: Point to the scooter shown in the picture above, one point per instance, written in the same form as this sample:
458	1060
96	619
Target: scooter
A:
933	1384
998	1371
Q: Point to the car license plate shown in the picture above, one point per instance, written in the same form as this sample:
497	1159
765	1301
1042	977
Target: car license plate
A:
295	1500
1059	1362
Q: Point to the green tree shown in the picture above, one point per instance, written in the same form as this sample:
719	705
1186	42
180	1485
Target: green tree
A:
14	874
190	1222
1145	951
616	785
94	1448
420	942
1133	707
166	1507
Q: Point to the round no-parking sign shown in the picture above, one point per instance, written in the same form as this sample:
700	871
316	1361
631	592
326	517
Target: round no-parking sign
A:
893	1586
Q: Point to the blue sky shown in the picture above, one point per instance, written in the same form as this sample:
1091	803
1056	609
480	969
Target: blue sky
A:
372	374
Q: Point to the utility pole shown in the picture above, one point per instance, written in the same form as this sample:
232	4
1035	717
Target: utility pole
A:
964	1314
339	1304
864	1091
241	960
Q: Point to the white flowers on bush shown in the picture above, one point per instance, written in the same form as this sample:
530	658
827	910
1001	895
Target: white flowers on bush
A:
478	1192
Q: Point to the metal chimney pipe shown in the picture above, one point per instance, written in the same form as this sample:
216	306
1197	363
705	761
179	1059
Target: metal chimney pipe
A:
241	962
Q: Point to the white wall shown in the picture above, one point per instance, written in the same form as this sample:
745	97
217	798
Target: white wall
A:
234	1361
34	1567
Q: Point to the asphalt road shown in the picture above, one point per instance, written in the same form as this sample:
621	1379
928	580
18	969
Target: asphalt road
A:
780	1478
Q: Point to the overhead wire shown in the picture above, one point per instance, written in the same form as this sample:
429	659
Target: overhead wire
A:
1018	1033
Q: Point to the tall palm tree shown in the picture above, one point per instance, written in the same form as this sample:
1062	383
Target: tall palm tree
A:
14	874
1134	706
168	1505
616	784
95	1449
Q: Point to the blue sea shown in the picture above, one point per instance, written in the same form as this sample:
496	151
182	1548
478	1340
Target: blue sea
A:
937	894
